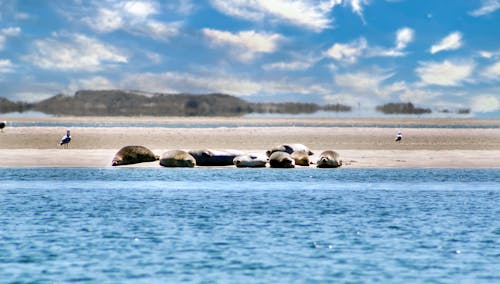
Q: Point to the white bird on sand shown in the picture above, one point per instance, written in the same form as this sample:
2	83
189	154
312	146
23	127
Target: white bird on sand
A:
2	125
66	139
398	137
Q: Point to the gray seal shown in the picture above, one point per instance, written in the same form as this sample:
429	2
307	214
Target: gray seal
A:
329	159
250	161
206	157
301	158
133	155
289	148
281	160
177	158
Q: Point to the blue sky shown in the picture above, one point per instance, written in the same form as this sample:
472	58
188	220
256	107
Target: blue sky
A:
440	54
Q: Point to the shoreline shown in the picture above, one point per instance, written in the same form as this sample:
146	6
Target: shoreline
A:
101	158
359	147
204	120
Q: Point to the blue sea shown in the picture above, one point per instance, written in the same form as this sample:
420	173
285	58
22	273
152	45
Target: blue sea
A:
229	225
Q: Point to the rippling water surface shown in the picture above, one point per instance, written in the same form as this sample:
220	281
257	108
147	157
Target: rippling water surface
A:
126	225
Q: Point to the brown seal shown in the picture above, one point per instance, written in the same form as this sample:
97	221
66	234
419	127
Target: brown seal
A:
177	158
301	158
281	160
133	155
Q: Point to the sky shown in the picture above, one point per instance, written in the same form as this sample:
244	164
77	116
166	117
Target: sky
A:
436	54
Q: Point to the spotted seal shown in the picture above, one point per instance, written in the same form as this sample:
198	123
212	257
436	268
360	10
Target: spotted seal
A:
177	158
329	159
206	157
289	148
250	161
281	160
133	155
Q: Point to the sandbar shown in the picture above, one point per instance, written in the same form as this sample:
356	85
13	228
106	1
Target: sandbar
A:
362	143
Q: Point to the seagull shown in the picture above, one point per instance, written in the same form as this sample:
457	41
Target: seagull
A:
66	139
2	125
398	137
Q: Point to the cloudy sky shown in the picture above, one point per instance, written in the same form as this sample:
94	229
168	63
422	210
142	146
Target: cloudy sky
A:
440	54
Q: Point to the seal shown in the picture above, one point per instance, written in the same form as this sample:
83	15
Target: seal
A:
281	160
329	159
250	161
206	157
301	158
289	148
133	155
177	158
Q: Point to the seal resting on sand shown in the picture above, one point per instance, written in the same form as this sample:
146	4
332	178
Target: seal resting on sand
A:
177	158
289	148
250	161
133	155
329	159
301	158
207	157
281	160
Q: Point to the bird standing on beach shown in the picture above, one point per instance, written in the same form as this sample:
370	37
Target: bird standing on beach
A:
66	139
2	125
399	137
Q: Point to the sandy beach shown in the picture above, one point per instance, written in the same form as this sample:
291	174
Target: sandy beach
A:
362	143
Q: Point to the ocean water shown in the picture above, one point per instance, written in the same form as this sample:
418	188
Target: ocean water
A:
213	225
238	124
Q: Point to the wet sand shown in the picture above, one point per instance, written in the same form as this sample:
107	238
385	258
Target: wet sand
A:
360	146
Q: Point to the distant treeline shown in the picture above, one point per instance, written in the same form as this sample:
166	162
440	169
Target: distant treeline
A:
129	103
402	108
126	103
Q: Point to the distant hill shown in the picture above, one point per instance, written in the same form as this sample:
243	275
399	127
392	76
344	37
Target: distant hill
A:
129	103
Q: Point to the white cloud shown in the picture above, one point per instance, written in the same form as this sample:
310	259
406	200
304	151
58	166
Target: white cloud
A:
141	9
485	103
492	72
300	62
157	30
418	96
8	32
369	83
446	73
351	52
488	54
347	53
310	14
135	17
106	20
488	7
74	52
450	42
357	6
6	66
246	44
288	66
92	83
403	37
